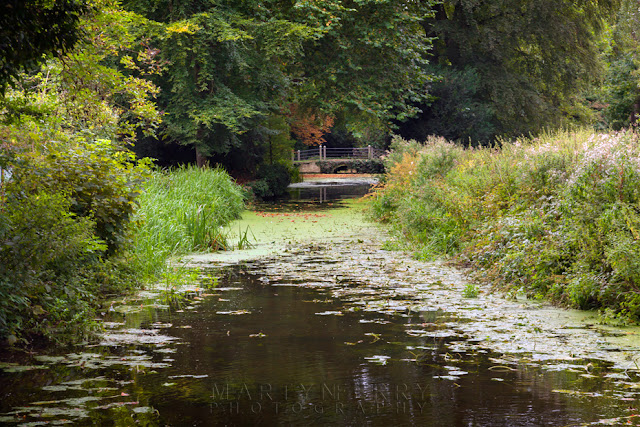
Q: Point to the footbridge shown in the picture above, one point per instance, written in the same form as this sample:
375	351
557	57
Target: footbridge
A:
335	160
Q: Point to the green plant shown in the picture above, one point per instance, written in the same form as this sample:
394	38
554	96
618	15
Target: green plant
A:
556	216
60	230
181	211
471	290
369	166
272	181
243	239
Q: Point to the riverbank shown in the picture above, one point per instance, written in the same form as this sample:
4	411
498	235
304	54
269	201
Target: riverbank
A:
555	217
330	328
353	252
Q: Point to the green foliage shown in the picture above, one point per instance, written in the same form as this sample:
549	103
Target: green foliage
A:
619	93
33	29
337	70
372	166
231	65
68	191
272	181
83	94
243	239
471	290
278	140
182	211
369	166
62	212
101	180
556	216
42	250
510	67
458	109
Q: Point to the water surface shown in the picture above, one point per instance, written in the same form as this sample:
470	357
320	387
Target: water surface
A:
331	332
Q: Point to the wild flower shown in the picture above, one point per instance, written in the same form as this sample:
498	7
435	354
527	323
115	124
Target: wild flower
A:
546	214
604	155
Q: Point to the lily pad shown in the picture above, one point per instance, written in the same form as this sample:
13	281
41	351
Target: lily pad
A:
15	368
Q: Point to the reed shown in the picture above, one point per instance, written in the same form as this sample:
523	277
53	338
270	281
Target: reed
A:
181	211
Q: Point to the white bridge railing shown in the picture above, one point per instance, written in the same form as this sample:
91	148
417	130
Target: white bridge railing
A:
324	153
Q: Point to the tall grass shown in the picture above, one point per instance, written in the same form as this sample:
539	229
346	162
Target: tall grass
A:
181	211
557	216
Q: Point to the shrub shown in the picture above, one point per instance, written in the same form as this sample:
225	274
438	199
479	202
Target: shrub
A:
63	212
43	246
101	179
272	182
369	166
556	216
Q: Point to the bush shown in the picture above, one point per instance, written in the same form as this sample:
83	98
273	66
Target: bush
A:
43	246
556	216
101	180
372	166
63	213
272	181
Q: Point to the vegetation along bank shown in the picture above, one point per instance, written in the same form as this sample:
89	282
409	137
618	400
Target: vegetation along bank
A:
556	216
81	222
85	84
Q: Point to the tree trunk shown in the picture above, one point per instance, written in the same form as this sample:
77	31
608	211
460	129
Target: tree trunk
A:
635	115
201	159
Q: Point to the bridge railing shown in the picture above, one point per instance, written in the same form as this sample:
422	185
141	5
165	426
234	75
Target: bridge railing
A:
324	153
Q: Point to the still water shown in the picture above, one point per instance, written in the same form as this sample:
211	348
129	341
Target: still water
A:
296	340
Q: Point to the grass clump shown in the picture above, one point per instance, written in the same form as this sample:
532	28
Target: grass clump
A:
184	210
557	216
471	290
72	233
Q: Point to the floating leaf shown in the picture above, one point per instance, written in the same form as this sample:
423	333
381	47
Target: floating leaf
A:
234	312
381	360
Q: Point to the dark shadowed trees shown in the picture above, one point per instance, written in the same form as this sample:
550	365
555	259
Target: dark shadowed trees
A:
511	66
233	64
30	30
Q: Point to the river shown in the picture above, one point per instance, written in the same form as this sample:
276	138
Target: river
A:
317	324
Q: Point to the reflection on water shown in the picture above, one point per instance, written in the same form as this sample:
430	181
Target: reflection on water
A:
258	351
326	190
318	195
264	348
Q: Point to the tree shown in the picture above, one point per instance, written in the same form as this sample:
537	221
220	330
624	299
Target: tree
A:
98	88
309	128
531	57
33	29
369	62
232	64
66	210
621	86
457	110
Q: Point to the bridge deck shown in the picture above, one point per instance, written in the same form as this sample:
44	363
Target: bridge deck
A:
327	154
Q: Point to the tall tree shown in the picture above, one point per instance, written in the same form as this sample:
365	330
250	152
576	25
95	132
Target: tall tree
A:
531	57
231	64
33	29
98	87
621	86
